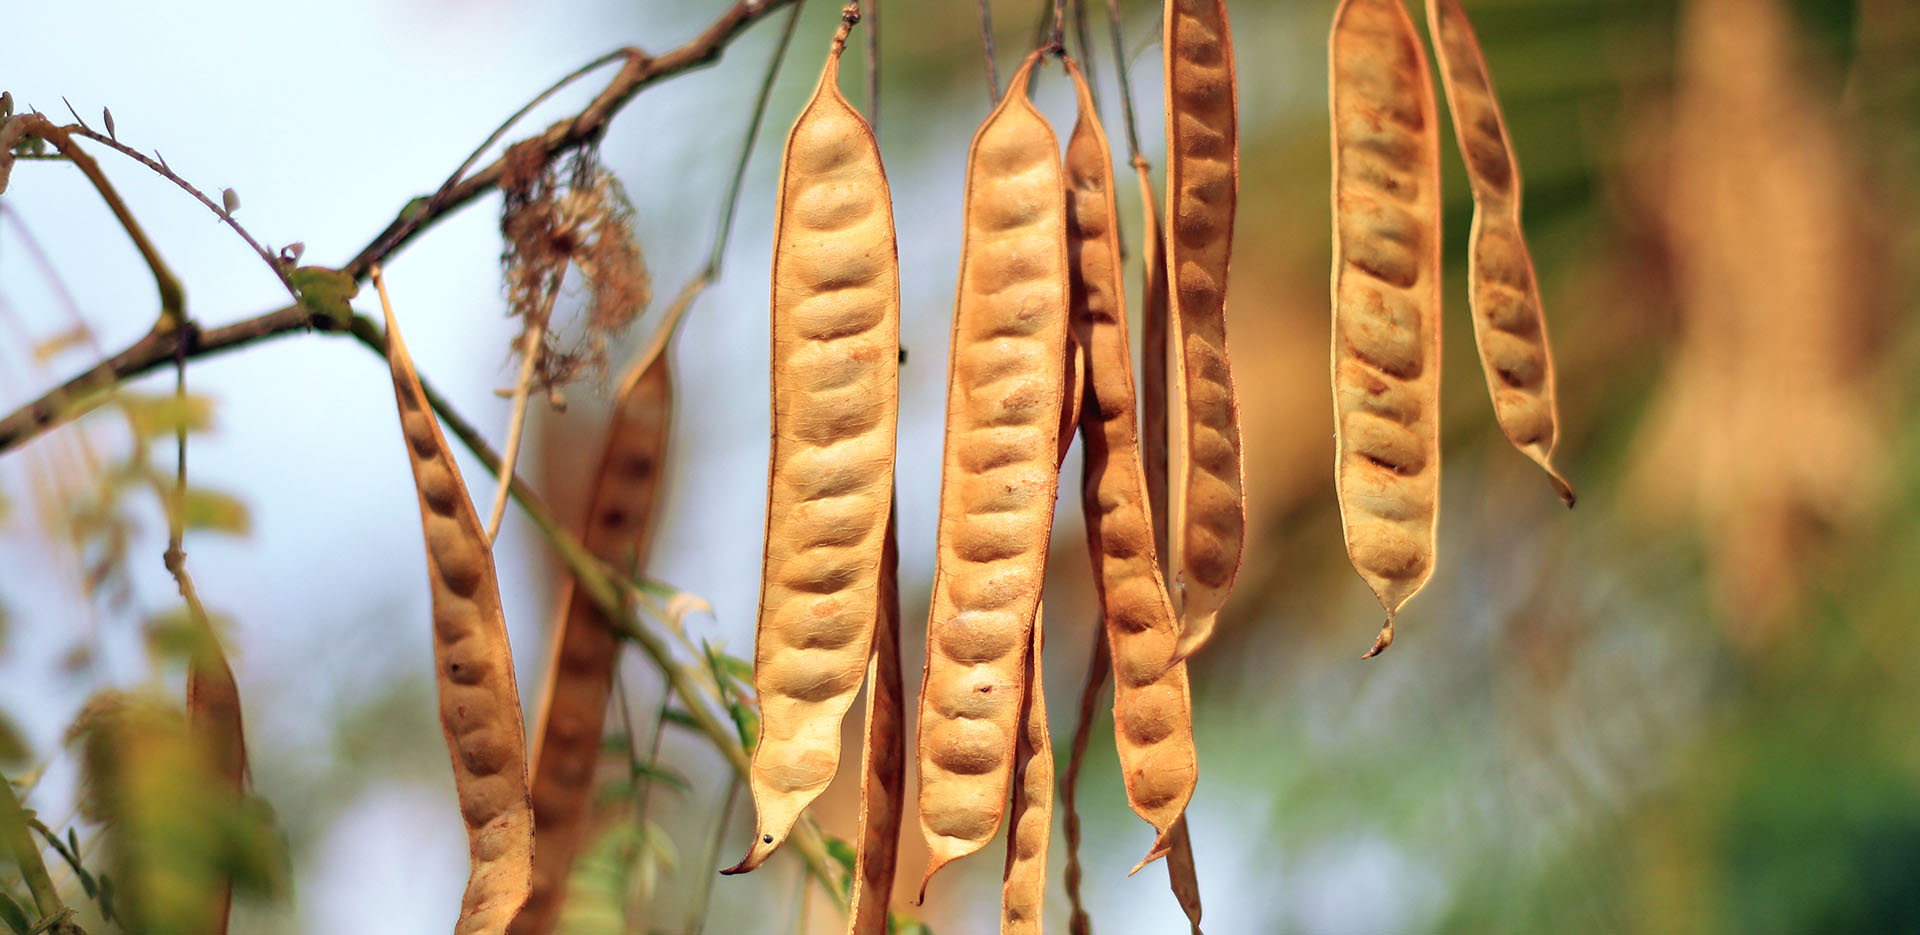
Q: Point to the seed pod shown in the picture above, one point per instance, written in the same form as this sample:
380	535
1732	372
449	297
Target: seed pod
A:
1386	299
1182	875
1508	325
1023	888
999	475
1098	668
618	530
1208	515
213	715
883	760
836	351
1153	715
479	705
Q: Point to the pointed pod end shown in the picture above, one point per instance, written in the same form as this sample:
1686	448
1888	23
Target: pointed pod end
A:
1382	641
1561	487
1162	846
763	847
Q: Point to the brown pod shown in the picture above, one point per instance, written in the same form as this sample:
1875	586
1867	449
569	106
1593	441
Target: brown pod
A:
1098	668
1182	875
883	760
1208	512
213	715
835	380
999	474
1023	887
1386	299
1508	325
580	662
473	667
1152	712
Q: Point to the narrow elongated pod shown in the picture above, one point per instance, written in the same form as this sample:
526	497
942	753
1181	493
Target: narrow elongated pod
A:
214	716
1152	712
1508	324
836	350
1386	299
473	666
1023	886
579	679
1208	513
1099	666
999	474
883	760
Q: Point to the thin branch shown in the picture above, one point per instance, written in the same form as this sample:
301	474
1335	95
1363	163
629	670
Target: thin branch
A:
80	393
164	171
516	422
14	834
872	10
172	299
986	46
734	186
1126	87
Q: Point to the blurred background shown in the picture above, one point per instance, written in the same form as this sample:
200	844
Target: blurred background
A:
1686	706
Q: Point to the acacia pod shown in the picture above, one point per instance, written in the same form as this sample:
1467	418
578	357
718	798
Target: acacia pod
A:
1098	668
836	349
1152	711
214	717
1386	299
1208	512
618	530
1182	875
999	474
473	668
1023	887
1154	362
883	760
1508	325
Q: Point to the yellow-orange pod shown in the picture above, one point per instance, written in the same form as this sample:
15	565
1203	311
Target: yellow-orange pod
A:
999	475
835	378
473	667
1508	325
1386	299
1152	710
1208	513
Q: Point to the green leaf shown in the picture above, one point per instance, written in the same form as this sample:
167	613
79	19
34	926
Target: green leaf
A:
746	721
13	747
841	852
324	292
680	717
13	915
215	511
898	924
162	416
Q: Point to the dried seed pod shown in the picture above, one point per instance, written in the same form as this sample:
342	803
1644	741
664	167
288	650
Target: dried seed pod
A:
1208	512
1183	875
999	475
1386	299
1098	668
1508	324
1152	712
836	349
213	715
579	679
883	760
1024	882
473	666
